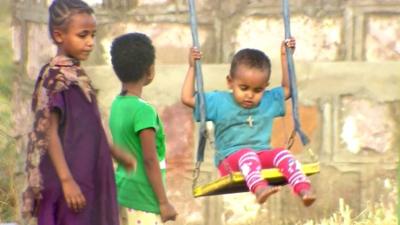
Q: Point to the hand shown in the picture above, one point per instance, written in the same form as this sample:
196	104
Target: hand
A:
73	195
127	160
167	212
290	42
194	54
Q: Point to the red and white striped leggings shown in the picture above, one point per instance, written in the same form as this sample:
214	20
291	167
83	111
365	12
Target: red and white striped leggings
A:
251	162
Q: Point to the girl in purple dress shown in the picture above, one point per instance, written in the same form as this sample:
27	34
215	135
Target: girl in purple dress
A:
69	166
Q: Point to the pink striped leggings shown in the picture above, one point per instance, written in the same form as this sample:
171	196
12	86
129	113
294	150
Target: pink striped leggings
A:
251	162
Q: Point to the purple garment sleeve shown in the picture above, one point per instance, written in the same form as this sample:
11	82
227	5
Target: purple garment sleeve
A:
57	104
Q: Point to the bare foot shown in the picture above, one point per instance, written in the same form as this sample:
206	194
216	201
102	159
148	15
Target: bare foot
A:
308	197
262	193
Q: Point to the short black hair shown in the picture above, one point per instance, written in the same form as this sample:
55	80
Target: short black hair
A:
132	55
252	58
61	11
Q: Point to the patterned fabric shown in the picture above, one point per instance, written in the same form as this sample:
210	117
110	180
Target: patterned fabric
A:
137	217
250	163
64	72
250	166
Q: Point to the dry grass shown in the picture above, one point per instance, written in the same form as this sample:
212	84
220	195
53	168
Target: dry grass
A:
374	214
380	212
8	159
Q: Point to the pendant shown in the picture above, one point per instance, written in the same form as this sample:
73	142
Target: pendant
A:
250	121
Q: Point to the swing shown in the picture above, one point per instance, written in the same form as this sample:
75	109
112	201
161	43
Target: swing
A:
234	182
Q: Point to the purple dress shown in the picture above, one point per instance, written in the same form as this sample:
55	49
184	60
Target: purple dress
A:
88	156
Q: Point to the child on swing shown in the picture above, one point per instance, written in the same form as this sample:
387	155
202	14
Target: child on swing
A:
138	130
243	120
69	166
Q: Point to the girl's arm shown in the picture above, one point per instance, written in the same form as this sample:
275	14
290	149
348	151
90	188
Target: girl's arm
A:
291	43
124	158
127	160
187	95
72	193
153	172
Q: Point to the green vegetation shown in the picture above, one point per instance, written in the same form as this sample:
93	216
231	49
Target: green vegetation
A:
8	193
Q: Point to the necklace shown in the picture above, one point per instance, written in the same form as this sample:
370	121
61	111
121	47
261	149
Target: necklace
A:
249	113
250	120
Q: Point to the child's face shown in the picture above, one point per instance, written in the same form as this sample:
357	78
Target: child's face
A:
248	85
77	40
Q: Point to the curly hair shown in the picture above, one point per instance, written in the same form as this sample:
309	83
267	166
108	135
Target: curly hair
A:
132	55
61	11
252	58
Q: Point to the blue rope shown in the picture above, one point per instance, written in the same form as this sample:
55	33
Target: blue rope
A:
292	76
200	98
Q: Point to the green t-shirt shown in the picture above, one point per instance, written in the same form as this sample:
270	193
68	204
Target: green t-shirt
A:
129	115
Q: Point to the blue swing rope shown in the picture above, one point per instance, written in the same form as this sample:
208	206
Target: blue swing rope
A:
200	98
292	76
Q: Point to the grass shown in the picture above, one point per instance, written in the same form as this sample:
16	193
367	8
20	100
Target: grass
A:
380	212
377	213
8	192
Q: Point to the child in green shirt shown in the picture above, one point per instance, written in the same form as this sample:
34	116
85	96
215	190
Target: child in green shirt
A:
137	129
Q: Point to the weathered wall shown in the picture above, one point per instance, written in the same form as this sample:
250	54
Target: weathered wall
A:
346	61
353	127
361	30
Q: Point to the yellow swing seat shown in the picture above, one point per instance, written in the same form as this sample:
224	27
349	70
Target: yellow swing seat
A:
234	183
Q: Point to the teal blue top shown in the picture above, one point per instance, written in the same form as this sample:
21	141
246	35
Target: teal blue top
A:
236	127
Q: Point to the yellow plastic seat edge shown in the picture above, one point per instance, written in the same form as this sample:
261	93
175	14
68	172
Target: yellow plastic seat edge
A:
237	177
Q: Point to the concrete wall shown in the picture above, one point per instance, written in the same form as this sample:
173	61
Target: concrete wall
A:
337	30
347	66
353	127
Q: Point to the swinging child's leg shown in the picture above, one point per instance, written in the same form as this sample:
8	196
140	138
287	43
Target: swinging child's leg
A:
247	161
291	169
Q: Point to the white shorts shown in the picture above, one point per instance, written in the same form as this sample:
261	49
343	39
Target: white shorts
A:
134	217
